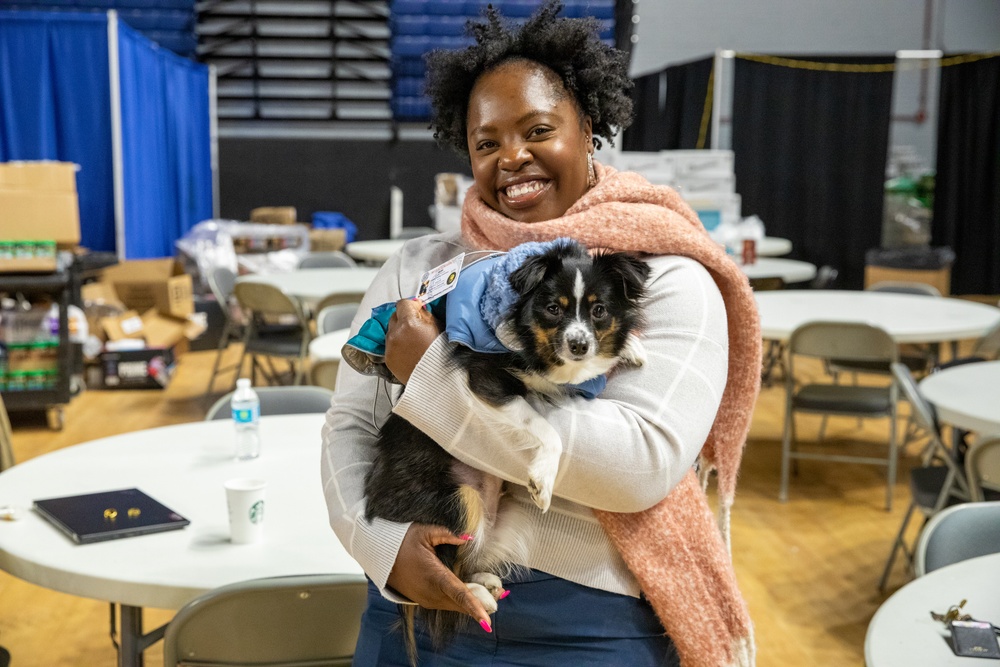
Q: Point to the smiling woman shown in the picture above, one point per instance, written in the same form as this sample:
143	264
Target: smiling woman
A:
528	105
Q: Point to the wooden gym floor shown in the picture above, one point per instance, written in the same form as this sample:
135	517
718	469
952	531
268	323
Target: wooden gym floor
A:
809	568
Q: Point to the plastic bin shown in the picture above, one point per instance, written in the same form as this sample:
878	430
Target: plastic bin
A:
921	264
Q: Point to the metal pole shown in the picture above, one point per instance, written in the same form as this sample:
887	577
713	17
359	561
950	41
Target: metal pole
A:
213	130
716	98
117	163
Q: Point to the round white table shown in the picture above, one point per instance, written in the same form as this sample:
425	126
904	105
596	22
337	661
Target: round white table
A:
773	246
328	345
902	632
967	396
789	270
311	285
908	318
183	467
374	252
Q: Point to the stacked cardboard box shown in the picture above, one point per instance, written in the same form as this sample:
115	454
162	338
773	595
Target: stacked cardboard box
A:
38	210
149	302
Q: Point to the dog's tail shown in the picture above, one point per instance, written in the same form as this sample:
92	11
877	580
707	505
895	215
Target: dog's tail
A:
443	625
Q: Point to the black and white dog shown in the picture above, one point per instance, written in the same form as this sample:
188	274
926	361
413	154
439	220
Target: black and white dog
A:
574	318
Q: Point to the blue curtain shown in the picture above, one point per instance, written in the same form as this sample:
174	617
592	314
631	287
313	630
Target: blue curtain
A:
55	105
165	144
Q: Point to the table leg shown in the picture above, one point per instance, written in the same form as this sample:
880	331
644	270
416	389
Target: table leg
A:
132	642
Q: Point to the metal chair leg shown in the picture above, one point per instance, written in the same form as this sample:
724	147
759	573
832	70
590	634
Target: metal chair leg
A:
896	546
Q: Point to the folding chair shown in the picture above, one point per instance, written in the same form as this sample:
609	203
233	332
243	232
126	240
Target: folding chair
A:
278	401
296	621
958	533
6	439
846	340
266	303
937	483
982	469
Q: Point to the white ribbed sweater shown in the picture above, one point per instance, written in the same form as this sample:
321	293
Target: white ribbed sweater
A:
623	452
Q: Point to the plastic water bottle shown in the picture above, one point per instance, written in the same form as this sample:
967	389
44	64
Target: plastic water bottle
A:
246	418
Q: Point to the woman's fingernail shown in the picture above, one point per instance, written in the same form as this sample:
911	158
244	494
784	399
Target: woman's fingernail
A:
505	594
485	625
465	537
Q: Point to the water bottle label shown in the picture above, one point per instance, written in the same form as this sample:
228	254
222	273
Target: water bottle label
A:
246	415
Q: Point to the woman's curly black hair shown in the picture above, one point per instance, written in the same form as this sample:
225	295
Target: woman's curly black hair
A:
595	74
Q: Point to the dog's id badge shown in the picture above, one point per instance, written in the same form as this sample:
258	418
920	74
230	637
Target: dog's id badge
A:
440	280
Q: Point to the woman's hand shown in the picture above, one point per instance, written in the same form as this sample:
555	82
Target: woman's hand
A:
411	331
420	576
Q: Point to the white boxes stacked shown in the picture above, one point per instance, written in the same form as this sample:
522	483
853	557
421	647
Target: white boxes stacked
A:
704	178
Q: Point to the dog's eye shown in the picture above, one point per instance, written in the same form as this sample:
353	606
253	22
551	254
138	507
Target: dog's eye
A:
598	312
554	309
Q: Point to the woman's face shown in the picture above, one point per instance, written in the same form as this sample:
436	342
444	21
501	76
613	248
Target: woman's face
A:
527	143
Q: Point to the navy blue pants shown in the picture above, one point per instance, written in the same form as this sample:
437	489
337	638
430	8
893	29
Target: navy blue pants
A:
545	621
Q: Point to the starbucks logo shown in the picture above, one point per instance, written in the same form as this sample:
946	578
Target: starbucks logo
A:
257	512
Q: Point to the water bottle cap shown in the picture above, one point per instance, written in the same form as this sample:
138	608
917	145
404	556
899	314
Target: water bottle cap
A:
243	383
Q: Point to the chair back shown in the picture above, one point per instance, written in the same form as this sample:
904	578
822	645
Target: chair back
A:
767	284
338	298
903	287
958	533
988	347
266	300
323	373
982	467
221	281
327	260
6	439
296	621
278	401
855	341
332	318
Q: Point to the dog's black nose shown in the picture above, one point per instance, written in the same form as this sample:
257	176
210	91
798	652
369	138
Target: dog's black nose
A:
578	346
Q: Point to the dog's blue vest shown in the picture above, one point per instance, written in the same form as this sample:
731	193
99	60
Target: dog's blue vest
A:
476	305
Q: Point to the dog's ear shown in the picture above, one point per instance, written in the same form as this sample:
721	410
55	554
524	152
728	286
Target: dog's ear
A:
632	271
530	274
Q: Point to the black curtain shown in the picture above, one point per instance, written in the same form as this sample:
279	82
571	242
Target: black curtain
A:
810	149
967	190
669	108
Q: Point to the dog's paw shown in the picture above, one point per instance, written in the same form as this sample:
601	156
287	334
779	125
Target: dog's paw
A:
484	596
490	582
542	477
633	353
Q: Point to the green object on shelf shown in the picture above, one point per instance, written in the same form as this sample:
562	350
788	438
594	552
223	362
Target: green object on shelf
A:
6	250
45	249
16	381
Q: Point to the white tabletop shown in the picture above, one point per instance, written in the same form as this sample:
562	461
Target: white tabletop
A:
773	246
908	318
789	270
902	632
967	396
314	284
328	345
183	467
376	251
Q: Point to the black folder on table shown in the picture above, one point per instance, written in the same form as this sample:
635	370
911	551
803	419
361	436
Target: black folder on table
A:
96	517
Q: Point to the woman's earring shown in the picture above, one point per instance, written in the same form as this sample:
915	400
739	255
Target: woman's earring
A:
591	174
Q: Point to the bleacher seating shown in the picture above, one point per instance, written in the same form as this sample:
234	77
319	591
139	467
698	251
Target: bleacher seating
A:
421	26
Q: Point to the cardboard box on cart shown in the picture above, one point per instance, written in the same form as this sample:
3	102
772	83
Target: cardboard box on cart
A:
152	283
38	206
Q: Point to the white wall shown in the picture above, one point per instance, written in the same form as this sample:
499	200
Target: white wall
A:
675	31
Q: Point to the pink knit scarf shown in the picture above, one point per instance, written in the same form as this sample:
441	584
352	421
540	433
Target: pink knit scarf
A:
675	550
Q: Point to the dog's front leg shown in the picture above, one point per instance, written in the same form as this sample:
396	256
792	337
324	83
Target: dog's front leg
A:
538	435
